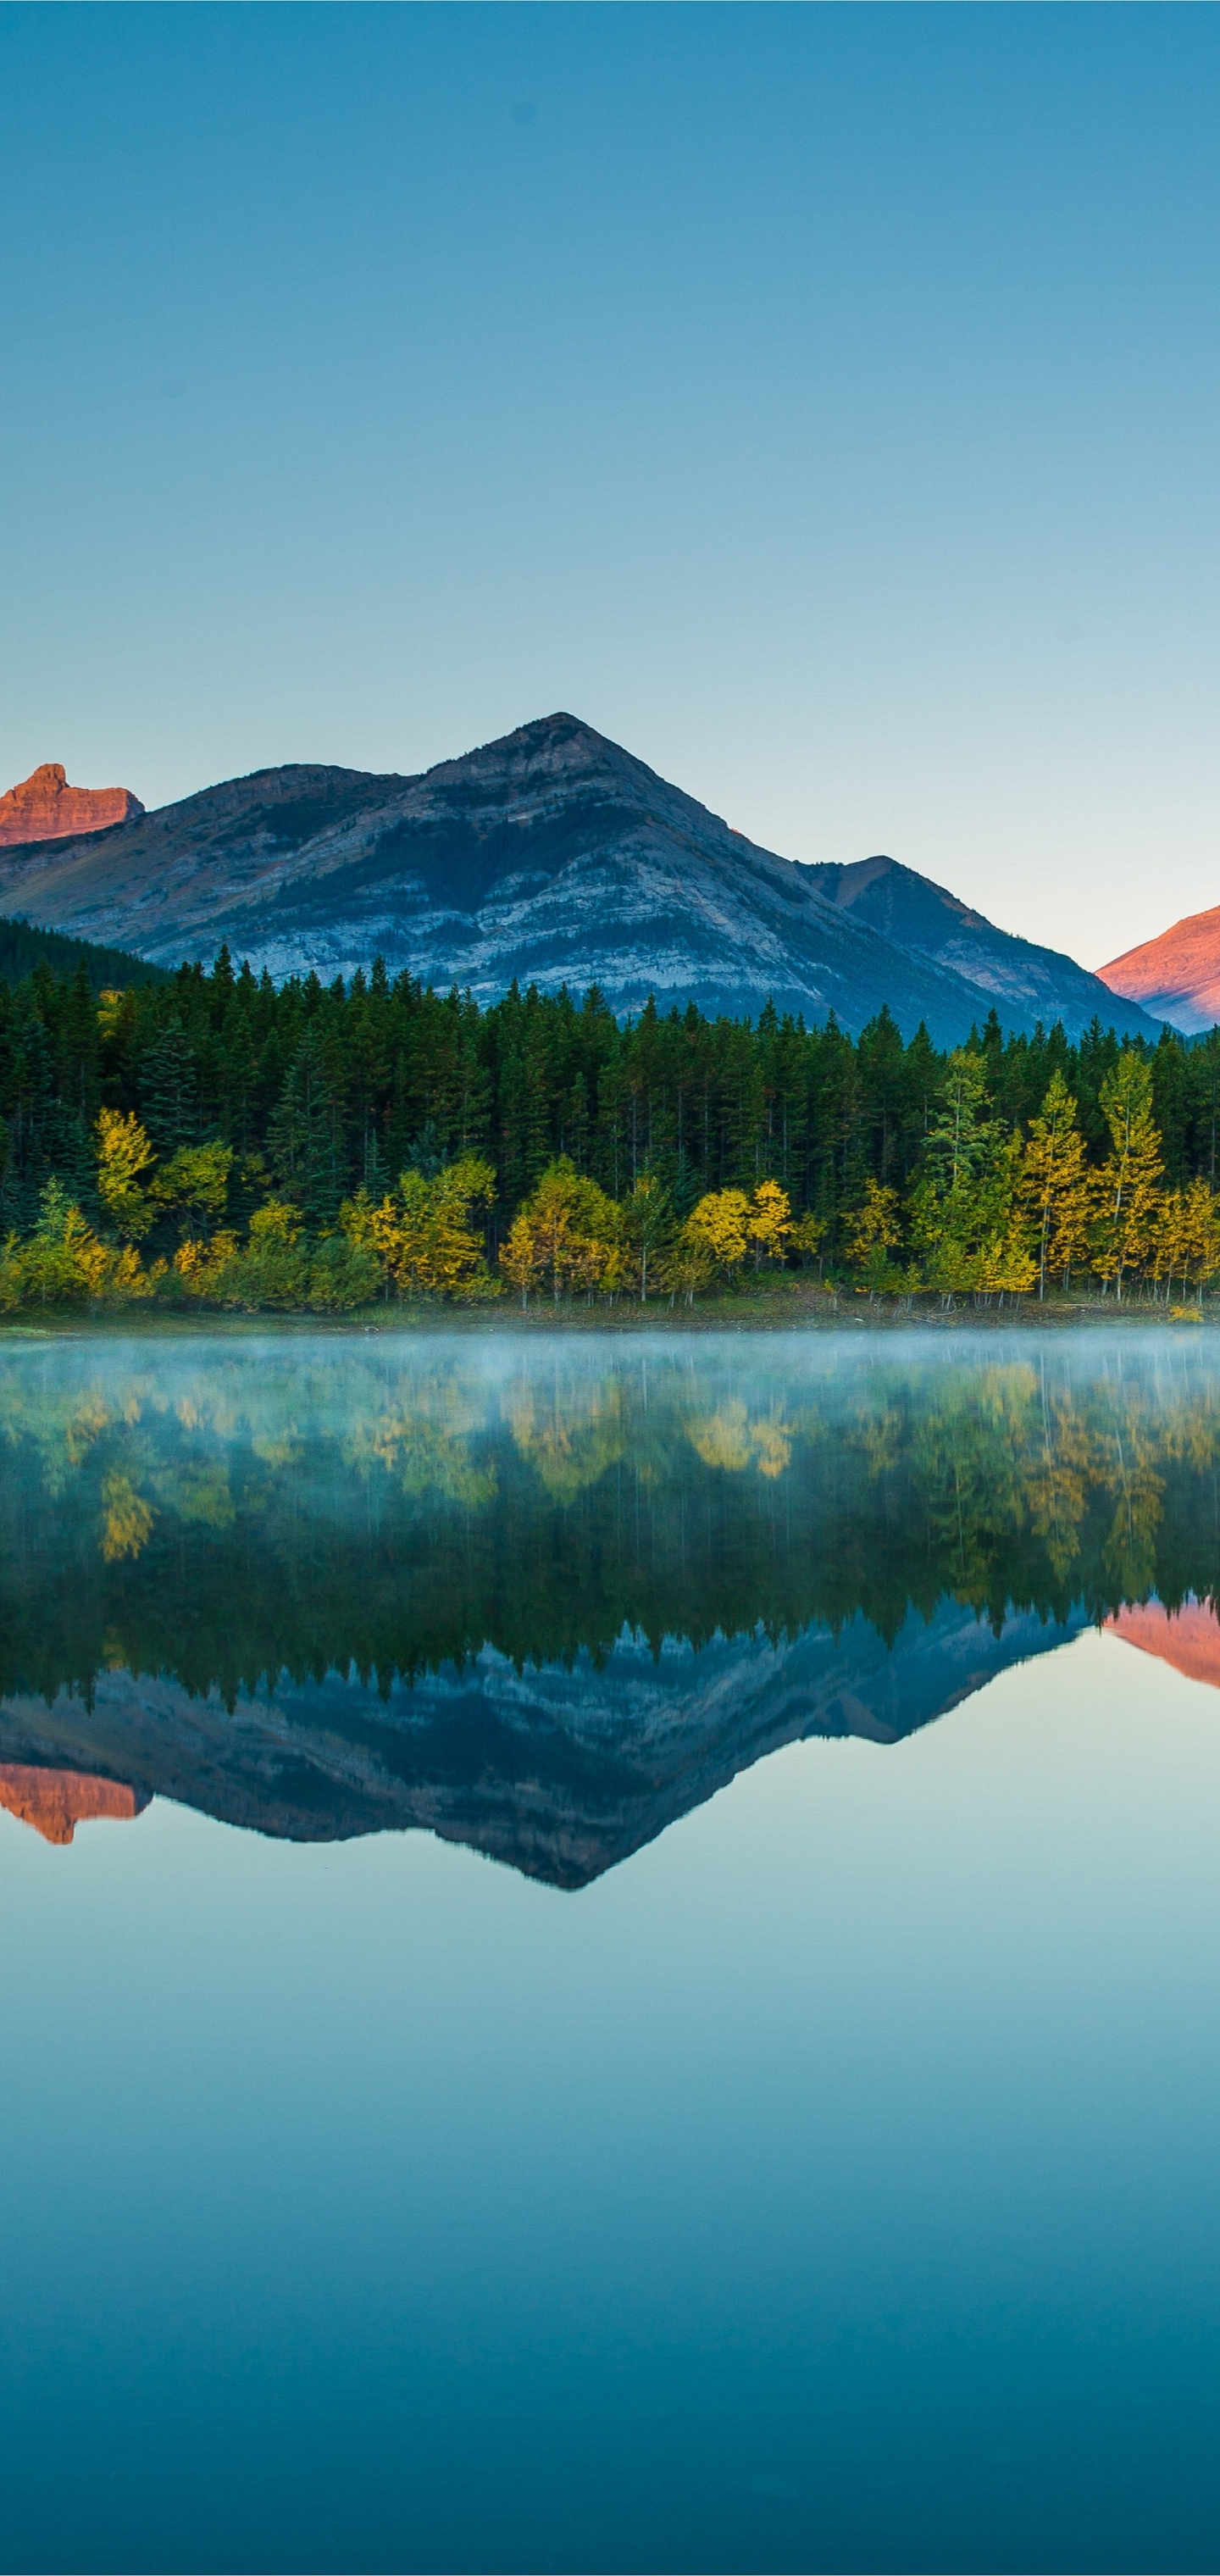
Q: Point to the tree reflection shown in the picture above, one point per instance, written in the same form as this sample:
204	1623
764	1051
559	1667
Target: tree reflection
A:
227	1513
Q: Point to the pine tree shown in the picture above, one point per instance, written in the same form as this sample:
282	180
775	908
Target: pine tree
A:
169	1090
302	1137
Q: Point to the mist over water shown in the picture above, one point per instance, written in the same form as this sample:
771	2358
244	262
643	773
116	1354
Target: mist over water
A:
801	2152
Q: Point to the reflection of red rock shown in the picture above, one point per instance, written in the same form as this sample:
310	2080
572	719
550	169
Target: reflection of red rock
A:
45	808
1188	1638
56	1802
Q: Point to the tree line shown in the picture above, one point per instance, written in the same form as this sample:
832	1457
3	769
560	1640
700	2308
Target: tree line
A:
209	1135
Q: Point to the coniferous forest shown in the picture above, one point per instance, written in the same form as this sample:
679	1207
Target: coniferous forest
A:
209	1136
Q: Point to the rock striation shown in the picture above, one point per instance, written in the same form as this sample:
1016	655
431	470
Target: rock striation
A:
552	857
1175	977
45	808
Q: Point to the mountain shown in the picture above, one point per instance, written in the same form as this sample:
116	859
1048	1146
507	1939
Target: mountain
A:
552	856
45	808
559	1770
1024	982
1175	977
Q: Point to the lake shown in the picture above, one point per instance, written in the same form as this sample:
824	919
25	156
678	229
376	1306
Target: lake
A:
613	1952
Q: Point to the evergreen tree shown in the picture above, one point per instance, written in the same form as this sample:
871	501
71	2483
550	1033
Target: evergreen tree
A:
169	1090
302	1137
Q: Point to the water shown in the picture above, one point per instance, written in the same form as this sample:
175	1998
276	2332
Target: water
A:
634	1984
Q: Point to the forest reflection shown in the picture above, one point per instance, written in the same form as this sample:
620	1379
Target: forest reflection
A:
271	1515
228	1513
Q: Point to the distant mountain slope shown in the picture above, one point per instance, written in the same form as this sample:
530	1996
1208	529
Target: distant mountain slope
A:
1176	977
552	856
1023	981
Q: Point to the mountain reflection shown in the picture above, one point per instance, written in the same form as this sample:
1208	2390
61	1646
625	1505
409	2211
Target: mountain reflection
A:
543	1596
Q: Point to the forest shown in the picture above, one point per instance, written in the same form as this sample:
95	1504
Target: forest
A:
210	1137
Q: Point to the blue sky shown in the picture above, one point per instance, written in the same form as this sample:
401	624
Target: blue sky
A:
821	400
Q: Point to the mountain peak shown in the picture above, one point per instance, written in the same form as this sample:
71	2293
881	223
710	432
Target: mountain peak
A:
557	746
45	808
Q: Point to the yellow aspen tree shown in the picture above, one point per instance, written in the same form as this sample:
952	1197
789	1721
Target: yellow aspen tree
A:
201	1266
720	1223
521	1257
1200	1234
1004	1266
686	1268
1053	1193
770	1222
1071	1241
124	1150
1129	1183
424	1232
805	1238
565	1234
403	1230
872	1234
454	1246
195	1179
1167	1245
63	1260
126	1277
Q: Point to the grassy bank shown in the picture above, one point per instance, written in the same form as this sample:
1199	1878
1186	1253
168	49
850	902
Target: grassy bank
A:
776	1305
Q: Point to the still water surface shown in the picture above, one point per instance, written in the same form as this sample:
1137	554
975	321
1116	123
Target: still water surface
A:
612	1954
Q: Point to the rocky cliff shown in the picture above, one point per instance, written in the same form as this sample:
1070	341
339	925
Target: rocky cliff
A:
45	808
552	856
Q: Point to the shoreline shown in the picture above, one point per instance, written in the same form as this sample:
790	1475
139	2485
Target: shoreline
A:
771	1311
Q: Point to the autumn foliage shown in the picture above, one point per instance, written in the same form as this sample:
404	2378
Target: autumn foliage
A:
214	1141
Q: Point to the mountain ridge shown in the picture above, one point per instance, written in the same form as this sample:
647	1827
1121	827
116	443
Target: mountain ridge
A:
551	855
925	919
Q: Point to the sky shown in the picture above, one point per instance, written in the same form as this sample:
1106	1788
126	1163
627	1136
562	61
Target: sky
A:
820	400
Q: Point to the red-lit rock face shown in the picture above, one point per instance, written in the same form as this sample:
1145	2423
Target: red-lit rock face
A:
1188	1638
1175	976
56	1802
45	808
